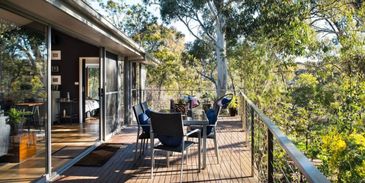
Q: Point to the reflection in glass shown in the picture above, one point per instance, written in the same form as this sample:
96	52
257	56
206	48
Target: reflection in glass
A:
121	92
111	73
23	97
111	94
135	84
110	113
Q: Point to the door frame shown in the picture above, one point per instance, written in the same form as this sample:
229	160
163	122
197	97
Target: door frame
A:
93	60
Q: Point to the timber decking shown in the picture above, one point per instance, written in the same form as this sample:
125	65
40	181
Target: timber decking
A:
234	164
68	140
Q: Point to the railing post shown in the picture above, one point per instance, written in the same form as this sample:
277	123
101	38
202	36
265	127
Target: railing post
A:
243	114
245	119
270	149
252	141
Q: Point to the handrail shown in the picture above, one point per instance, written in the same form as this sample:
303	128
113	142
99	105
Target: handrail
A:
306	167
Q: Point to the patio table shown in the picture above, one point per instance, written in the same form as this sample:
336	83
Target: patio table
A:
203	123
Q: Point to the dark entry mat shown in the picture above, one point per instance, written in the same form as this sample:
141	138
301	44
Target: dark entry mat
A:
69	152
100	155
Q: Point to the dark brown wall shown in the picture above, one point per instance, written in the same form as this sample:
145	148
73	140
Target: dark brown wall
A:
71	50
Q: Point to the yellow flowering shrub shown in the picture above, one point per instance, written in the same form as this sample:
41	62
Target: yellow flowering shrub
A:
334	143
361	169
358	139
345	155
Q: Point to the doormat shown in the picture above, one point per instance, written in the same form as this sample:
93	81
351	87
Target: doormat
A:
100	155
69	152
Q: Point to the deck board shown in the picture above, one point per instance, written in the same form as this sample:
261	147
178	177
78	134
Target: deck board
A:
234	163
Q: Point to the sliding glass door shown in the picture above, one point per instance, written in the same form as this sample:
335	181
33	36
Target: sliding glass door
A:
23	97
111	93
121	92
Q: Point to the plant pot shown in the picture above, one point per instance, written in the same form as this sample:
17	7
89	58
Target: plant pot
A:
232	111
16	129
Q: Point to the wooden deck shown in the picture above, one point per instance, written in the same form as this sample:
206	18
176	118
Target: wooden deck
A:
234	163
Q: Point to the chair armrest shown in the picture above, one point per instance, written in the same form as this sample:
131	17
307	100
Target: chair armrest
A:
192	132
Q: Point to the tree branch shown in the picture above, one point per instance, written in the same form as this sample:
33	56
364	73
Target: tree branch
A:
189	29
213	10
203	27
205	76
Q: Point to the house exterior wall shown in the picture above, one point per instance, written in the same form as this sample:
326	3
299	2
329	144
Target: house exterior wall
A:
68	67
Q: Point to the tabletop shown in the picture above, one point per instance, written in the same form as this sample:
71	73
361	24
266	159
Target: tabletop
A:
30	104
199	118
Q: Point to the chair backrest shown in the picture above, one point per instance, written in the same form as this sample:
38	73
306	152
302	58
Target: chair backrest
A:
217	108
167	124
137	109
144	106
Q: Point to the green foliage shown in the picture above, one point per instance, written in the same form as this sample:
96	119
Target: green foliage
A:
305	90
320	108
23	55
207	97
234	103
15	116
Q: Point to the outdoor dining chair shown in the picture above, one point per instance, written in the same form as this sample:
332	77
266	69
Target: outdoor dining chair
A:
212	116
143	131
144	106
168	128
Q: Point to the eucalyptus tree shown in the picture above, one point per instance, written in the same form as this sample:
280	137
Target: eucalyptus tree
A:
207	21
166	44
130	19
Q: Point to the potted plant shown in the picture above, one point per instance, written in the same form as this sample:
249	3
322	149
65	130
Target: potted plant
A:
206	97
15	121
232	106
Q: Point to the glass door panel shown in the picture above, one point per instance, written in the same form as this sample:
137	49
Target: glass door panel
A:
111	93
23	97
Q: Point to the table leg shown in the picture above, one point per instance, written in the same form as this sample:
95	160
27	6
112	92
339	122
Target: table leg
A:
36	113
204	146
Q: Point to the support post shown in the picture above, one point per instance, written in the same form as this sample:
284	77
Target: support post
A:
127	91
247	128
243	114
270	148
48	124
102	122
252	141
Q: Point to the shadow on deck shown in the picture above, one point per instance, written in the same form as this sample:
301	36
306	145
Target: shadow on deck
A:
234	163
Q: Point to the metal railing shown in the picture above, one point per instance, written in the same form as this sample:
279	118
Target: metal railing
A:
274	158
160	99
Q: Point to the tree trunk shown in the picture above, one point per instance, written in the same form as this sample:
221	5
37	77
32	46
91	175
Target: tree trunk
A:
220	49
232	81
